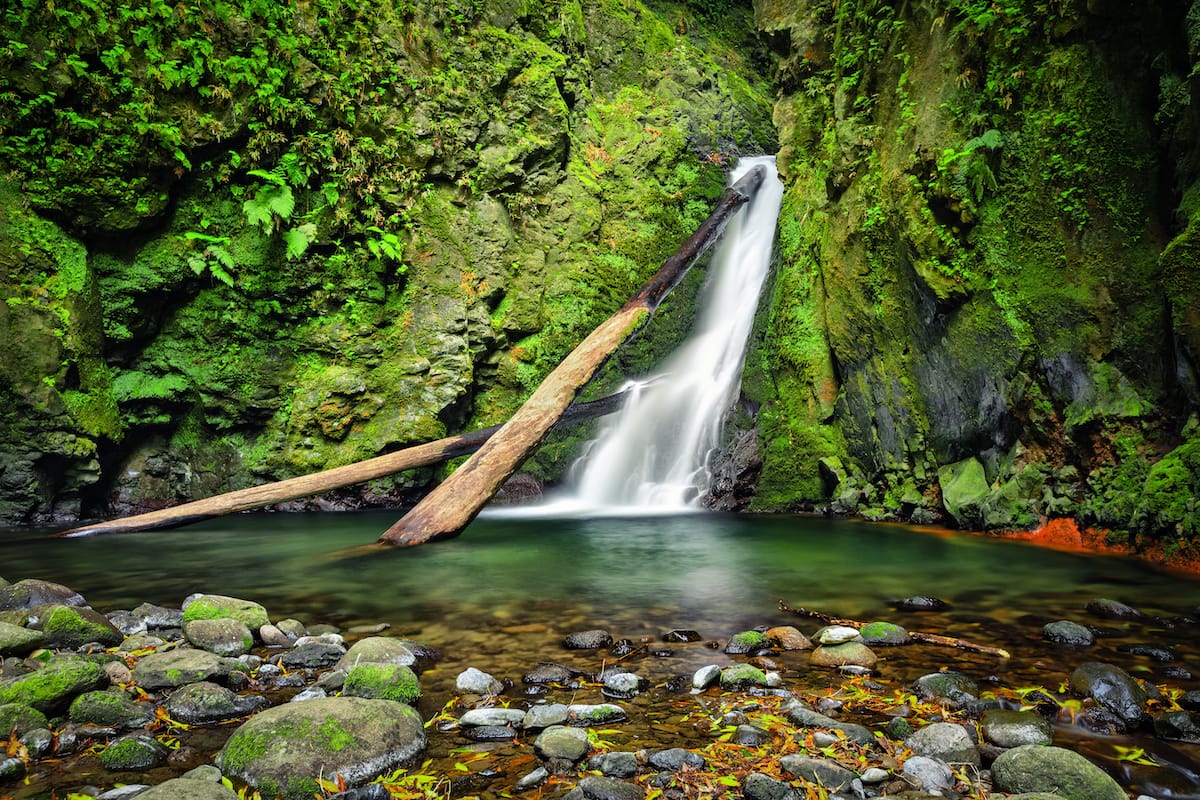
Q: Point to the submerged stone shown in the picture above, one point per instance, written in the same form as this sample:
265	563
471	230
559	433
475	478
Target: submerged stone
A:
1112	609
587	640
1066	632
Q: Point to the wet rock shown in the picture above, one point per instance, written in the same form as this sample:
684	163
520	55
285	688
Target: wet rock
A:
898	728
874	775
31	592
490	733
291	628
74	626
11	768
382	682
311	693
599	787
474	681
742	676
622	686
680	635
920	603
1066	632
1040	768
225	637
561	742
953	687
675	759
585	715
802	716
17	641
38	742
622	647
544	716
587	640
706	676
533	779
20	719
180	667
313	655
757	786
823	771
378	650
883	633
945	741
545	673
836	634
1112	609
1191	700
479	717
786	637
1178	726
616	765
205	702
931	774
159	616
112	708
217	606
51	688
278	751
1163	654
747	642
126	622
1113	690
134	753
271	636
1015	728
750	736
840	655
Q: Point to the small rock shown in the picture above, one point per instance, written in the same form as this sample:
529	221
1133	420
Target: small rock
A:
823	771
378	650
1191	700
478	717
313	655
622	685
177	788
930	773
1178	726
118	674
585	715
1162	654
742	676
372	791
946	741
490	733
38	742
839	655
750	736
1066	632
1015	728
114	709
271	636
675	759
1113	690
679	635
382	682
31	592
1039	768
474	681
598	787
757	786
874	775
785	637
123	792
883	633
17	641
545	673
836	634
205	702
804	717
291	628
747	642
225	637
71	627
920	603
159	616
544	716
126	622
617	765
954	687
134	753
1112	609
179	667
311	693
706	676
217	606
533	779
560	741
622	647
11	768
587	640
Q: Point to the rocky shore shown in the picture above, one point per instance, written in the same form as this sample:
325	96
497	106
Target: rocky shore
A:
220	699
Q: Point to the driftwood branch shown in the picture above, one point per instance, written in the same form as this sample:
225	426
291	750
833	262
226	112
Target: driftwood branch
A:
421	455
448	509
916	636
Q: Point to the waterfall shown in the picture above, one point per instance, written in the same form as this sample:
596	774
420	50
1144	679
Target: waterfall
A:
652	456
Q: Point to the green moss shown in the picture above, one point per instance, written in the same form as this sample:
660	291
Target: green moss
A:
243	749
1167	505
383	681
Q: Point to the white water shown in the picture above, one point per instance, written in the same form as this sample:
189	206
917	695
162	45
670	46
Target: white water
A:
652	456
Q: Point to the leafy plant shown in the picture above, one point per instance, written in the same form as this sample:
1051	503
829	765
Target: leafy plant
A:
213	257
967	170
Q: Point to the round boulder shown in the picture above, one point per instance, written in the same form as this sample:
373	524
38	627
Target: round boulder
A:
111	708
383	682
226	636
1066	632
1040	768
54	686
281	751
1015	728
217	606
1113	689
73	626
188	788
883	633
945	741
31	592
841	655
180	667
378	650
204	702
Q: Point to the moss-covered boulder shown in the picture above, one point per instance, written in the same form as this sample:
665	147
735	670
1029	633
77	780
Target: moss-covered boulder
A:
111	709
208	702
384	682
189	788
21	718
283	750
964	491
16	640
134	753
179	667
378	650
225	636
747	642
1040	768
52	688
72	627
216	606
31	592
742	676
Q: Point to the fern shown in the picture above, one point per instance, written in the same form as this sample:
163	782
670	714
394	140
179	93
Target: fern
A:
298	239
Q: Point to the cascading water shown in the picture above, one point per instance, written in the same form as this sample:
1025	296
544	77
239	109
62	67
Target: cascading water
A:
653	455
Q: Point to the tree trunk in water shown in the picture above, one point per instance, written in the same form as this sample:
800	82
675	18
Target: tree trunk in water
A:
421	455
448	509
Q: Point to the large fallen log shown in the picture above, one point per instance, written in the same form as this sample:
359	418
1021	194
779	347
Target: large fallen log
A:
448	509
421	455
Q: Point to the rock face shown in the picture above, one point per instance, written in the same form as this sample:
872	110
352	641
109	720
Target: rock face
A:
279	750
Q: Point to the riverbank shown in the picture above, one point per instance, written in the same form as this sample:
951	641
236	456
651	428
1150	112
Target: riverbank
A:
160	694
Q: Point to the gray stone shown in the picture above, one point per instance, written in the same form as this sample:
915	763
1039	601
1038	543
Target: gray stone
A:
313	655
549	673
706	676
38	742
110	708
1178	726
750	736
11	768
159	616
622	685
1014	728
587	640
17	641
747	642
474	681
178	788
617	765
821	771
1040	768
124	792
52	688
787	637
804	717
544	716
836	634
585	714
127	623
675	759
280	750
840	655
271	636
311	693
492	716
225	637
757	786
204	772
874	775
533	779
74	626
931	774
1066	632
561	742
598	787
946	741
953	687
378	650
218	606
180	667
1113	690
1112	609
31	592
204	702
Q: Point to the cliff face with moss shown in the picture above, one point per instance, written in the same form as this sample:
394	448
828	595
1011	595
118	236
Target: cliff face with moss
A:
241	241
986	306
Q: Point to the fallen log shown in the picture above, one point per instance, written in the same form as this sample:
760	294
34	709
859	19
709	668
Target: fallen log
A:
448	509
421	455
916	636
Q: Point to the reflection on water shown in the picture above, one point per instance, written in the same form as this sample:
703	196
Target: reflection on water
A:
724	568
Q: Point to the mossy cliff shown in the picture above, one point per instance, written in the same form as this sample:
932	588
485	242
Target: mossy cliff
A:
244	240
986	307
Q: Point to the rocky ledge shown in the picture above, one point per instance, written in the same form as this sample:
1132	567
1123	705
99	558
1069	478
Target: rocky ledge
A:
216	700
